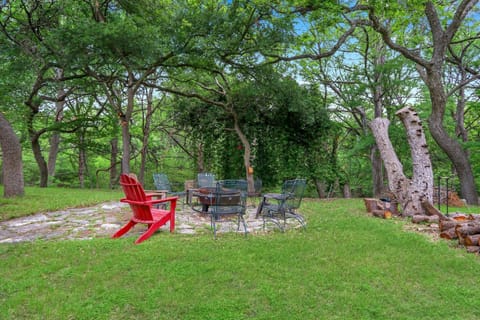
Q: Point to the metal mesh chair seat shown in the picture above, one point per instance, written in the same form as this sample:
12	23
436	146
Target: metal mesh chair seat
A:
228	200
277	207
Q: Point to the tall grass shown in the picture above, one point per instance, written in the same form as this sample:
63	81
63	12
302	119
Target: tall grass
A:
346	265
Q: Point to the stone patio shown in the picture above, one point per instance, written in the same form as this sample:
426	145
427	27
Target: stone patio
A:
101	221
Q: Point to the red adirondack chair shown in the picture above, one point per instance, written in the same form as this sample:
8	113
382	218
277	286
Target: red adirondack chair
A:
143	210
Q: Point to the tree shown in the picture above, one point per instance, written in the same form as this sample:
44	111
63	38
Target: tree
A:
362	81
28	28
10	146
12	169
224	52
410	193
430	61
55	138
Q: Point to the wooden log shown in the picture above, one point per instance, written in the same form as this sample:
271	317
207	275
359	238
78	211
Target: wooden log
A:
454	200
432	211
371	204
472	240
461	217
473	249
387	214
464	216
469	228
460	237
419	218
464	229
448	224
448	234
384	214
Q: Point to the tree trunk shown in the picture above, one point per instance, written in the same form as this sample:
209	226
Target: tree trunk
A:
37	153
321	188
12	168
378	107
55	138
35	143
82	160
200	158
126	124
53	153
246	156
433	77
146	134
451	147
422	179
347	193
377	171
460	129
409	193
397	181
125	148
113	162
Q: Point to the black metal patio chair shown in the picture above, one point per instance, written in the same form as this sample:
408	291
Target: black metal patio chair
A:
278	207
205	180
161	182
227	200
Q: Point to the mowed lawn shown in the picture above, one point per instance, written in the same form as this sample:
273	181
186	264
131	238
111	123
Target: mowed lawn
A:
346	265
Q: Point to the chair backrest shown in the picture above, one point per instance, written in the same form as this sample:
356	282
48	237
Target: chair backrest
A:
230	196
205	179
161	182
294	189
231	184
134	191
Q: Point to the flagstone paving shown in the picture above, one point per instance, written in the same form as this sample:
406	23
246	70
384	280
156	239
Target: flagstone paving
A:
103	220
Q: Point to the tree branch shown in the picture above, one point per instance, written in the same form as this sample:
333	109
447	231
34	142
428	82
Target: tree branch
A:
385	33
322	55
186	94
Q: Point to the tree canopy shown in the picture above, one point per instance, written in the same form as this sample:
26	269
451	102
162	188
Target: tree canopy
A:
278	88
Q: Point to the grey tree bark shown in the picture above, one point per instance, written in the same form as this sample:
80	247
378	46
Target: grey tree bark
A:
148	113
55	138
113	162
12	169
82	159
409	192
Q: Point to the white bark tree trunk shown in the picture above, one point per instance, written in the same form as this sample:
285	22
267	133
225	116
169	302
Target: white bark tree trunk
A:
409	192
422	180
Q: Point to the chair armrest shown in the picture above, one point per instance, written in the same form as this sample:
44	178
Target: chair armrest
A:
150	202
156	193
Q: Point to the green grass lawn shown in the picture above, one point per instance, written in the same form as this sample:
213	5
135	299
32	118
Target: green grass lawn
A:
346	265
51	199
